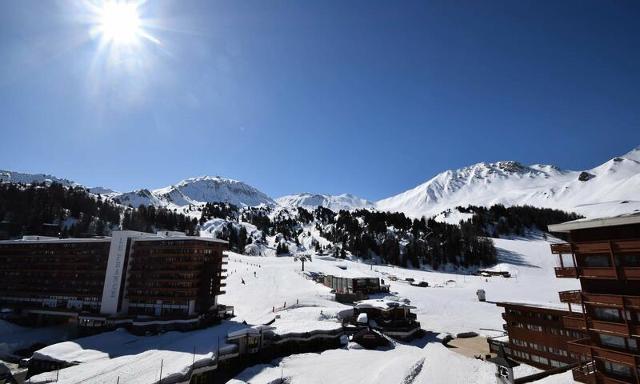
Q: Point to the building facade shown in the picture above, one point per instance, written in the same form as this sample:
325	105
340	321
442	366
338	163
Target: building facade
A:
604	254
105	280
536	336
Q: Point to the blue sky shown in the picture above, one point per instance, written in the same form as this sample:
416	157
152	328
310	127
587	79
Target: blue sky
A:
365	97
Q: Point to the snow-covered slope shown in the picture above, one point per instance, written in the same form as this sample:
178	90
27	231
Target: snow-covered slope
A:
609	189
196	191
335	203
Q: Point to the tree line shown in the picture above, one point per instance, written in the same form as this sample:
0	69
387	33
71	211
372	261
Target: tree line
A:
54	209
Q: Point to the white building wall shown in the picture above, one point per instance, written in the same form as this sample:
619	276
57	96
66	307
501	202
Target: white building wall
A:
115	269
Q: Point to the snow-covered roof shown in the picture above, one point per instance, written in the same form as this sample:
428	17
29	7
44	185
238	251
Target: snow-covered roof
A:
553	306
382	304
625	219
137	236
54	240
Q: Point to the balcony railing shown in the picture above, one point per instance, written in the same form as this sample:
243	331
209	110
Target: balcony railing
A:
585	348
566	272
574	322
573	296
561	248
585	373
598	272
628	273
611	327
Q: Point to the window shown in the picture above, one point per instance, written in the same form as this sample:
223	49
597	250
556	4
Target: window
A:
539	359
534	327
628	260
607	314
596	261
632	344
612	341
617	369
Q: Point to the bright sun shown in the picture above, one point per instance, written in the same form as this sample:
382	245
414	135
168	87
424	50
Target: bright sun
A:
119	22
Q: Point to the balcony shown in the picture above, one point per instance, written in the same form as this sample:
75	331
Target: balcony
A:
566	272
611	327
630	273
585	348
573	296
592	377
562	248
574	322
598	272
585	374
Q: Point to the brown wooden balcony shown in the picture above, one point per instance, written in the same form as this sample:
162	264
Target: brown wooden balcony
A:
563	248
589	375
612	355
574	322
566	272
630	273
581	376
610	327
612	300
573	296
585	348
580	347
598	272
604	378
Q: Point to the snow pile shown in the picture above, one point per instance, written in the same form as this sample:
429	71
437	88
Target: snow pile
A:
404	364
119	355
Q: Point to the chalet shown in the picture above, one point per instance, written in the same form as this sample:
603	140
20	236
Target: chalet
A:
353	288
392	318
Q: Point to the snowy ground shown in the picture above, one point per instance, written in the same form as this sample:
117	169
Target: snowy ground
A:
265	288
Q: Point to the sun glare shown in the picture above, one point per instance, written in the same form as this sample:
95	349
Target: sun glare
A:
119	22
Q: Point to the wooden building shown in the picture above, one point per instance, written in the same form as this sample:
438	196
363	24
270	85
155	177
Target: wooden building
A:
604	254
536	336
392	318
349	289
131	278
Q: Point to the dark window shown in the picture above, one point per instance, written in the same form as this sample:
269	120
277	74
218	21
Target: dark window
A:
596	261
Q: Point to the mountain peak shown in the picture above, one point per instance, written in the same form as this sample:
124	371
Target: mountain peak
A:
611	187
345	201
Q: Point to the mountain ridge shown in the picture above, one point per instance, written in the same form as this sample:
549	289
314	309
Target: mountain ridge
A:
607	189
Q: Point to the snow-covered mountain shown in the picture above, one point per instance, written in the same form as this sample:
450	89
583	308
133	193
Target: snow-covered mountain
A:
39	178
344	201
196	191
609	189
28	178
